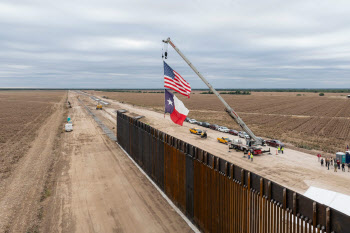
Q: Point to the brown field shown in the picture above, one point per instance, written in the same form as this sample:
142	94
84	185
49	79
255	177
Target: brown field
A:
21	115
308	121
30	130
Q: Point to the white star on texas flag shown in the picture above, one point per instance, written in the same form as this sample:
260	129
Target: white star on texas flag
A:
170	102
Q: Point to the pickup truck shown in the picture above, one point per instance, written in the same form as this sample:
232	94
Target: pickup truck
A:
243	134
68	127
223	129
192	121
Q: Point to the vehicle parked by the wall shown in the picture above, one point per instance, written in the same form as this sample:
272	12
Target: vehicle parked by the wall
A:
263	142
192	121
200	123
206	124
187	119
224	140
246	136
214	127
223	129
233	132
243	134
274	143
196	131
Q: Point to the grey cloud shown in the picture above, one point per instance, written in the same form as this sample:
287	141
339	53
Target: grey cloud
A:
237	44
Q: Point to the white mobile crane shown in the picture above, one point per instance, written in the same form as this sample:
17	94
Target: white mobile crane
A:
254	140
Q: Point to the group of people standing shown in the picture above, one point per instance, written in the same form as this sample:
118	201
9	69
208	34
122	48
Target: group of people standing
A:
333	162
249	154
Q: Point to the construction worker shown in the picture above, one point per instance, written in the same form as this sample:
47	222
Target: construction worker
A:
335	168
279	149
251	157
282	148
343	167
322	162
338	163
328	163
248	154
348	167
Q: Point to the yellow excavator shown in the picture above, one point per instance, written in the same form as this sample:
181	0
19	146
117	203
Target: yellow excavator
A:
99	106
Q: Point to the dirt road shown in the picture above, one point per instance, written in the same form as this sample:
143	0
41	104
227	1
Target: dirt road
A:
99	189
294	169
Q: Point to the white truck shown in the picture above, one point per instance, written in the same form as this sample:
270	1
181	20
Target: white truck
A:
223	129
68	127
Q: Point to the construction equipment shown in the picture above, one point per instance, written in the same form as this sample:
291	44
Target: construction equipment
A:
238	146
224	140
196	131
99	106
204	134
253	139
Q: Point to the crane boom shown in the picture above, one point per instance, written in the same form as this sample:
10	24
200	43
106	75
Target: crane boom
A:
229	110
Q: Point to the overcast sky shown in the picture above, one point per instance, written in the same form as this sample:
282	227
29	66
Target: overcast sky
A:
117	44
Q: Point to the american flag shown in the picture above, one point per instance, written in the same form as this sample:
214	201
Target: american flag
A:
175	82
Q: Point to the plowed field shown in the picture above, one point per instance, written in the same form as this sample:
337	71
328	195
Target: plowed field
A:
21	115
307	121
30	123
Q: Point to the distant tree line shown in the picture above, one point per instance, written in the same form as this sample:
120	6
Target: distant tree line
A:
318	90
127	90
206	92
237	92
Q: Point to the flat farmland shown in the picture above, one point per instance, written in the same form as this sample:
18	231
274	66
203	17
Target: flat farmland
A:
303	120
21	115
30	128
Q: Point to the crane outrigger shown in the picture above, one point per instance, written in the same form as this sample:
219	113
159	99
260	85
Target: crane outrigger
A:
254	140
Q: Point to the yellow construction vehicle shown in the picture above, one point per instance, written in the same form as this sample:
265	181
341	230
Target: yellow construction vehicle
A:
224	140
99	107
196	131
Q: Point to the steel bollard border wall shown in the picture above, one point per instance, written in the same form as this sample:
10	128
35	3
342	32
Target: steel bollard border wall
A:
304	209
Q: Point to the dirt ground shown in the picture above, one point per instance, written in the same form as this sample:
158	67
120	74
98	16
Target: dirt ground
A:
32	122
21	115
294	169
97	187
304	120
83	182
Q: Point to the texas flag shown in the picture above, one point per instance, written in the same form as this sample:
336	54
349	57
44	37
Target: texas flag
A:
174	106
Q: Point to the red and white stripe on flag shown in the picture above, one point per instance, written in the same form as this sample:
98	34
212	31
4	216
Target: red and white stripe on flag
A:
177	83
